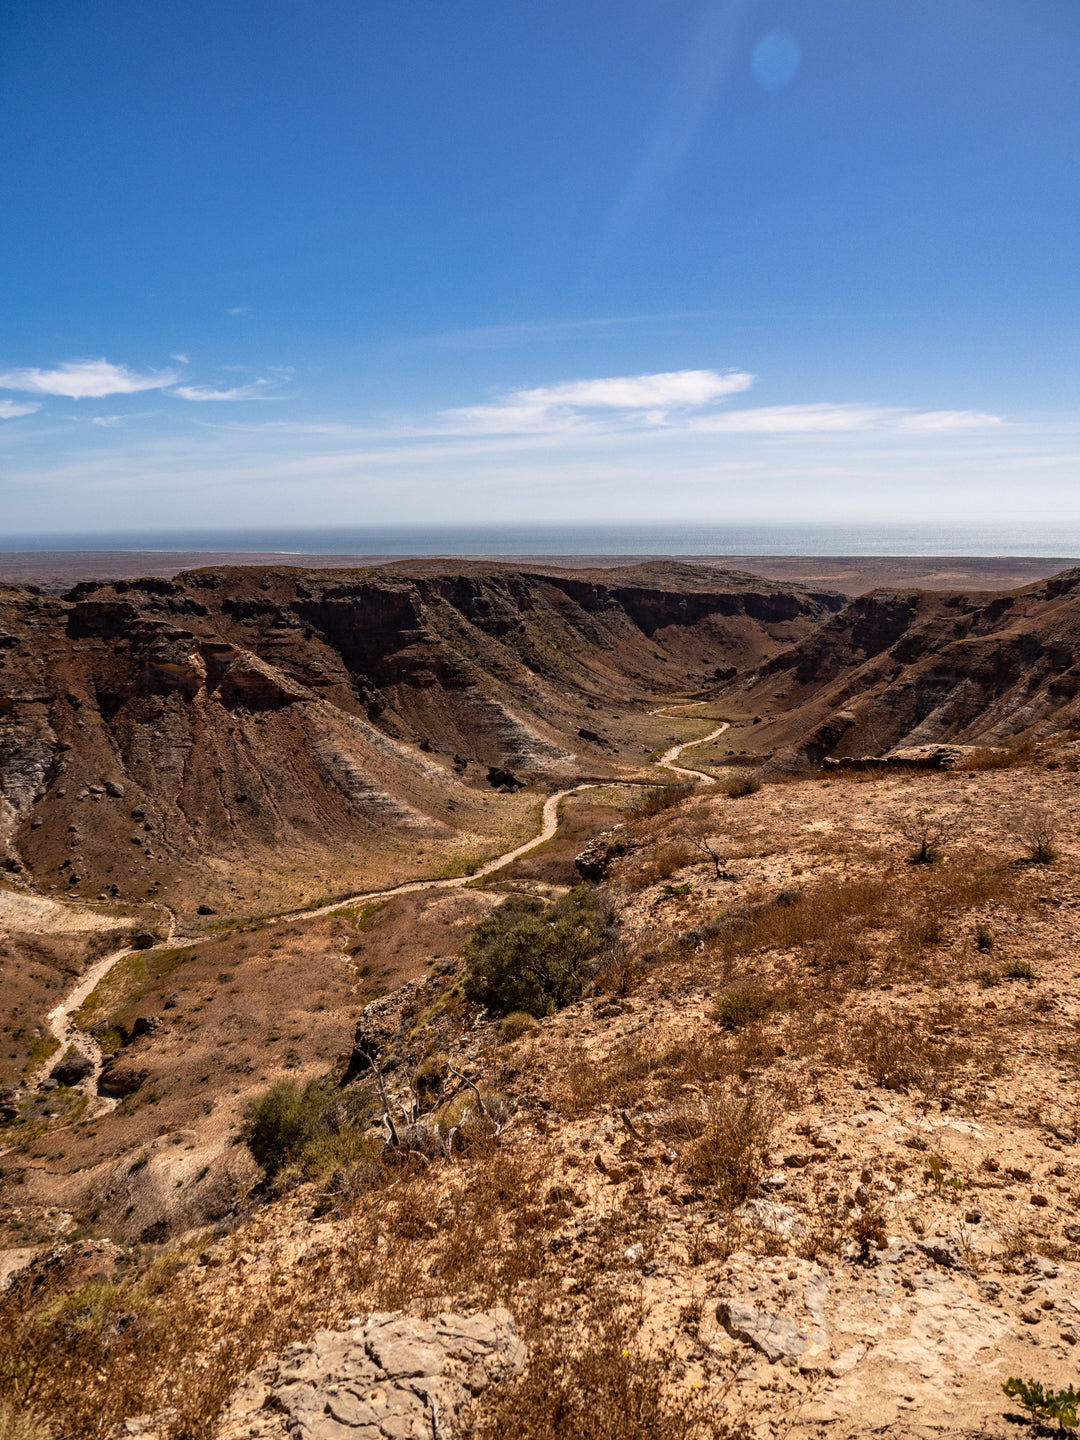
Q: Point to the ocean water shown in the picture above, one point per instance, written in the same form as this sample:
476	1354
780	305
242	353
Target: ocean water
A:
702	538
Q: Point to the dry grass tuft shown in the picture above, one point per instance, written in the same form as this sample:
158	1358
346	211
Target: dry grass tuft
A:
603	1385
19	1424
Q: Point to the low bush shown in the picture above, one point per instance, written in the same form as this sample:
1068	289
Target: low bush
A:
737	1008
1019	970
516	1024
926	833
741	785
661	797
602	1385
535	957
281	1123
731	1151
1038	828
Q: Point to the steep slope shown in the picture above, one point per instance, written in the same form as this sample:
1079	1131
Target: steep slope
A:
267	728
908	667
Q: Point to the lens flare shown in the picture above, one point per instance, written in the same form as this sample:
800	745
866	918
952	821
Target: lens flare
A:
775	60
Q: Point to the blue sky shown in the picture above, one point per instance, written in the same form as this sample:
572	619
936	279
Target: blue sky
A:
316	261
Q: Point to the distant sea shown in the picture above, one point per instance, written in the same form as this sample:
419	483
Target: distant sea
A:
703	538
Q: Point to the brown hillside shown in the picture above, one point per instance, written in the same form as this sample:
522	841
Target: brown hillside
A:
253	737
913	667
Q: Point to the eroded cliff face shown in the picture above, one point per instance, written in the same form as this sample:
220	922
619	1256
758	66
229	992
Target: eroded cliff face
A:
263	719
908	668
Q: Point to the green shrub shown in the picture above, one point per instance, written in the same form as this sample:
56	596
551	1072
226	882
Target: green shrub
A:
427	1080
532	956
329	1152
984	937
741	785
279	1124
1045	1404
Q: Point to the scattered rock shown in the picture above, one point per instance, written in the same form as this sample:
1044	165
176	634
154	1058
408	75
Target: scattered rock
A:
595	860
942	1252
776	1337
75	1066
142	940
207	910
777	1219
504	780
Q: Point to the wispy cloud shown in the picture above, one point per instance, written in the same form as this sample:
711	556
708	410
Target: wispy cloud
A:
808	419
632	400
107	422
935	420
84	380
207	392
181	359
239	310
12	409
683	401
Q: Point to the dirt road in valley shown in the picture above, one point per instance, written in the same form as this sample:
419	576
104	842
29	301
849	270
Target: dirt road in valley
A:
61	1020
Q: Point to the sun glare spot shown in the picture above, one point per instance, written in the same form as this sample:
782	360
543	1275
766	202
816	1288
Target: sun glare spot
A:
775	60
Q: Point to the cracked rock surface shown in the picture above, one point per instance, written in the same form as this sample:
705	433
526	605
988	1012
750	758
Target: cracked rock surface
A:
389	1377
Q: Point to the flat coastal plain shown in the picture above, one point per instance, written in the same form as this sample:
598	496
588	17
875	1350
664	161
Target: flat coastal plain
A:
55	571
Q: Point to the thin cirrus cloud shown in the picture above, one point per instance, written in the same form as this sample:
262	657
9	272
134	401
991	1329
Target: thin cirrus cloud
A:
85	380
208	392
627	400
12	409
685	401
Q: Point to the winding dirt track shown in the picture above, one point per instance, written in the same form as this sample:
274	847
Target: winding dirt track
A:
61	1019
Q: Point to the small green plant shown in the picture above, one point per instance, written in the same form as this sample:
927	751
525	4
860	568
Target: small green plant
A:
988	979
678	889
1044	1404
935	1175
984	937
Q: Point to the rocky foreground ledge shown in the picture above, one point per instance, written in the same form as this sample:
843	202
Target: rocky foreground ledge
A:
389	1377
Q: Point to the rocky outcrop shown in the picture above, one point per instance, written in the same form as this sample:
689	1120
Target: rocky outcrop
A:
899	670
600	853
392	1376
